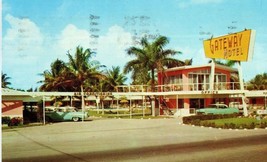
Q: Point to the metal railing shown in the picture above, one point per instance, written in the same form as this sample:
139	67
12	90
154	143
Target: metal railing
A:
179	87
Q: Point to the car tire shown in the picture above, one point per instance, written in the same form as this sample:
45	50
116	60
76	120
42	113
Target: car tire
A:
75	119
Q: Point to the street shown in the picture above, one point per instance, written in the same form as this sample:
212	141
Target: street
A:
132	140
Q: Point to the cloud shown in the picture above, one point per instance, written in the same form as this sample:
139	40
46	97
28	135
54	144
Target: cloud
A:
22	37
69	38
112	46
22	50
109	47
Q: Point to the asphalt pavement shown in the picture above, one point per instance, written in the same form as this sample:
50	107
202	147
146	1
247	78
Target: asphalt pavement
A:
132	140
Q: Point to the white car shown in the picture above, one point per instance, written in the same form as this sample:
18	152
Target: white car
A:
236	105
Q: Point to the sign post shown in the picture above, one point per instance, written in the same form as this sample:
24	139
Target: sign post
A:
237	47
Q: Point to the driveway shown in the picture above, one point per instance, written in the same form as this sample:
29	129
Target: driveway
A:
127	140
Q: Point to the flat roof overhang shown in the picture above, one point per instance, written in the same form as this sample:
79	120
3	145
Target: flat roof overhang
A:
36	96
185	94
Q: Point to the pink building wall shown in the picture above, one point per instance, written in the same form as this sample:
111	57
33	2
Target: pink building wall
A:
12	108
185	77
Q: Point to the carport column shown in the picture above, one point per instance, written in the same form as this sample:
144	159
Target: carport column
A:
153	105
240	75
143	107
265	102
97	103
117	105
177	103
212	74
82	105
44	110
130	107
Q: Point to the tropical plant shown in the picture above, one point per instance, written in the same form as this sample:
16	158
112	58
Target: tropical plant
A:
82	71
54	79
259	82
141	77
186	62
5	82
113	79
150	57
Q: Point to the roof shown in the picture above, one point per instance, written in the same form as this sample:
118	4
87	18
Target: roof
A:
218	66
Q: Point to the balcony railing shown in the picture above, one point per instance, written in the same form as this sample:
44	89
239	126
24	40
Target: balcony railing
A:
180	87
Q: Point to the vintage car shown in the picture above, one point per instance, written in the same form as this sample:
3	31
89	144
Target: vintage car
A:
217	109
64	114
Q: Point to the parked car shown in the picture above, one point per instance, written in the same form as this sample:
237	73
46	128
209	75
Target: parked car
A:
236	105
64	114
217	109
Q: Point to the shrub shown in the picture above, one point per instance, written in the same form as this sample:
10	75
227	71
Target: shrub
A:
16	121
5	119
191	119
262	125
196	122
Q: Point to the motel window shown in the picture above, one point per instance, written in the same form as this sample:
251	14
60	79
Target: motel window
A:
177	79
199	81
220	78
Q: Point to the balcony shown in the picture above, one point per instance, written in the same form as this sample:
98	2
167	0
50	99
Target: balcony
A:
180	87
199	86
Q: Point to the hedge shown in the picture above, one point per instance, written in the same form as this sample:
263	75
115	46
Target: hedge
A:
195	120
5	119
16	121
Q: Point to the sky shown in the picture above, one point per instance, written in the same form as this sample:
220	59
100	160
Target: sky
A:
36	32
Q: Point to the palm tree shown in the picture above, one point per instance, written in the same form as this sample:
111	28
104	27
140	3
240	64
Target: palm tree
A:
114	78
141	77
82	71
150	57
5	81
259	82
54	79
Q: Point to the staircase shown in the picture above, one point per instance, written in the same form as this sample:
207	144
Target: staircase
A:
166	109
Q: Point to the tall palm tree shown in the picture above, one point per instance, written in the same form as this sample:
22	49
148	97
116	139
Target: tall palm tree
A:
81	70
54	79
141	77
150	57
5	82
114	78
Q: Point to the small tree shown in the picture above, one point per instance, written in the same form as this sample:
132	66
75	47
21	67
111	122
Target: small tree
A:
5	82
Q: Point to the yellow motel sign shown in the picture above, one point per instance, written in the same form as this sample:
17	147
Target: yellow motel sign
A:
237	46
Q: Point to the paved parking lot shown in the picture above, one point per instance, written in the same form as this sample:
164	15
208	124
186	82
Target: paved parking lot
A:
126	139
